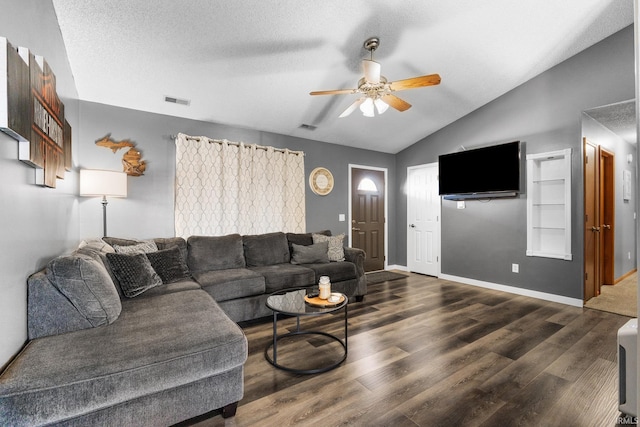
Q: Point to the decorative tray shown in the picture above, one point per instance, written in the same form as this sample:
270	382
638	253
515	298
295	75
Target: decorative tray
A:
317	302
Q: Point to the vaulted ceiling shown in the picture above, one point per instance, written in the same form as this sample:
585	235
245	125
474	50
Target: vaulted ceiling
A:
252	64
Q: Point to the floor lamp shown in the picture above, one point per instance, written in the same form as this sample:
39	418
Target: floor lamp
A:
96	183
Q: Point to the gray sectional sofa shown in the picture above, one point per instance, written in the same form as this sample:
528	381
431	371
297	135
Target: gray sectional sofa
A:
120	335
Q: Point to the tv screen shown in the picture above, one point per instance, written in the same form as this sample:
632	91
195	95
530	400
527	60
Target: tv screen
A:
494	169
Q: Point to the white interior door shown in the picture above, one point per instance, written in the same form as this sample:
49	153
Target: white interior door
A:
423	220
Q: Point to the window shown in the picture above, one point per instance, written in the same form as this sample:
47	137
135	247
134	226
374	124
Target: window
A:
367	185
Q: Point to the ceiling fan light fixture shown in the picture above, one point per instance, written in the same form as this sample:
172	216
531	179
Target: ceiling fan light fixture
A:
381	106
371	71
367	107
376	90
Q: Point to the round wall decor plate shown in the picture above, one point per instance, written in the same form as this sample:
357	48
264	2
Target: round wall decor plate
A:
321	181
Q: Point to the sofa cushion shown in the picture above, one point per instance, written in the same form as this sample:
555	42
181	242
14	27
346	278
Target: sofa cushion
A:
134	273
157	344
233	283
283	276
215	252
315	253
87	285
169	264
100	255
336	245
266	249
337	271
96	244
180	286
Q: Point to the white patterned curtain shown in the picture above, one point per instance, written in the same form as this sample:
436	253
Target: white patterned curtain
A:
224	187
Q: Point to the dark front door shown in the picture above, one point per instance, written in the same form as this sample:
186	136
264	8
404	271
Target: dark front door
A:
367	220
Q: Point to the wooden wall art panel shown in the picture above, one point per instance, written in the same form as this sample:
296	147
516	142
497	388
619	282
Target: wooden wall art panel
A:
31	112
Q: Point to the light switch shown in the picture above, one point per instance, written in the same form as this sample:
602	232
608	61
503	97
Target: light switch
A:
341	217
461	204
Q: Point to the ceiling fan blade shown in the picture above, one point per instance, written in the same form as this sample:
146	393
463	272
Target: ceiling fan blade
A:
414	82
333	92
371	71
352	107
395	102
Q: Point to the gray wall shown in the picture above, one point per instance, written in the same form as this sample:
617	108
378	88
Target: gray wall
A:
37	223
483	240
625	241
148	209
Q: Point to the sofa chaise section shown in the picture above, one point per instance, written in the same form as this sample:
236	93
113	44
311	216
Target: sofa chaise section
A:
165	356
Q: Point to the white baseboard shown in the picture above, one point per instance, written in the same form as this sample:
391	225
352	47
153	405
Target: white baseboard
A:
397	267
575	302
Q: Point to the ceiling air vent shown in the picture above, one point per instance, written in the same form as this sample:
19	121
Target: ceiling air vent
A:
173	100
308	127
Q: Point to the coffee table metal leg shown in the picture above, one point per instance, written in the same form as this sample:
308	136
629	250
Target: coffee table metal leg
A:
275	338
346	349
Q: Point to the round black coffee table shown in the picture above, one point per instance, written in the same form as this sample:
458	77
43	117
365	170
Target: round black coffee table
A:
291	302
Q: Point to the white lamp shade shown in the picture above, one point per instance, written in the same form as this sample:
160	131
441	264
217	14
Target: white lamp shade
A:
367	107
381	106
95	182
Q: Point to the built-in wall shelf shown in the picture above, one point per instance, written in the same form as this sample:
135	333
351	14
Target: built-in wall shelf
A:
549	204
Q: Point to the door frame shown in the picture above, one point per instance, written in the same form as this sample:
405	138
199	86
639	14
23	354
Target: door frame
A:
607	214
438	223
590	257
386	206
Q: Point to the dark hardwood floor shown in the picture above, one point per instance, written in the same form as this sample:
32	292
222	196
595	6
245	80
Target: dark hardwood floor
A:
428	352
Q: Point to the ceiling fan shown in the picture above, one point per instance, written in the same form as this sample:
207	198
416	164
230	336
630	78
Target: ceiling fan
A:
376	90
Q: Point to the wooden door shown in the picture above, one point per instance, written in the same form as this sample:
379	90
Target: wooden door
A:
607	217
367	216
591	221
423	220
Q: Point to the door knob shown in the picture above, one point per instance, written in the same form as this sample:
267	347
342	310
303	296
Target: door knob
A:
412	225
595	229
607	226
355	229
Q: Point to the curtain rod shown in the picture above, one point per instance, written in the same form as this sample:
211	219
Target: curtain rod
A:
237	144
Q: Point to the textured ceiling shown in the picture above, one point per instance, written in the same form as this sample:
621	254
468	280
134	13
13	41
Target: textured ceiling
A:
620	118
252	64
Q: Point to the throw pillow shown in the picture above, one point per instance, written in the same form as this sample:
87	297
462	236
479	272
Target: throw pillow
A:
87	285
336	245
315	253
134	273
169	264
144	246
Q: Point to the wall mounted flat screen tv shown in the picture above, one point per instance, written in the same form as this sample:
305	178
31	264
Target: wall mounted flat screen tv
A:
485	172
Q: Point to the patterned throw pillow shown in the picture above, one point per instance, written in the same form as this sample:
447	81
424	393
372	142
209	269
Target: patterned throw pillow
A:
144	246
336	245
169	264
134	273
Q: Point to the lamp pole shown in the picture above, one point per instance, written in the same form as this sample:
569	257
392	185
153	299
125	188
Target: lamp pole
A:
104	215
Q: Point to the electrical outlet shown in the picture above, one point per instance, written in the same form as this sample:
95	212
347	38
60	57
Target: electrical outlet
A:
515	268
628	255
